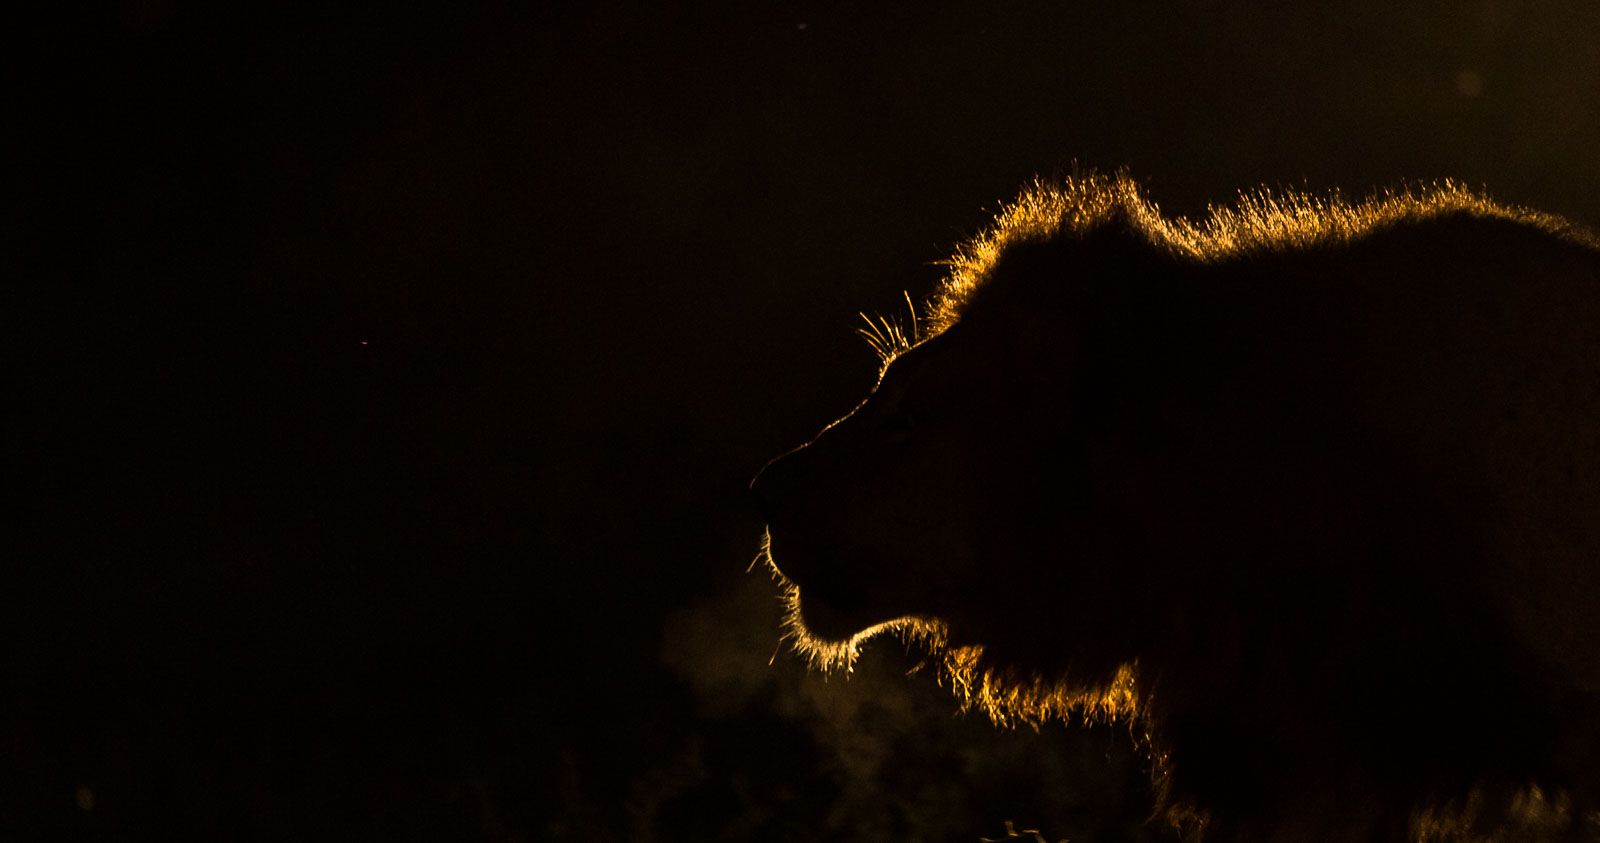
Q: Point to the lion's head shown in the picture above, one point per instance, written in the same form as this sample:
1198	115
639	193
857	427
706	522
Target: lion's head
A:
927	508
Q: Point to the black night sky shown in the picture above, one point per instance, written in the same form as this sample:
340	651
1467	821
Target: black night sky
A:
383	384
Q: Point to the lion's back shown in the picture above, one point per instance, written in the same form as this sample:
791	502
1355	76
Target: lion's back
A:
1465	352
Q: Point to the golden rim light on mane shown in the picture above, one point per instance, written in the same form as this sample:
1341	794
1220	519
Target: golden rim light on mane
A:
1262	221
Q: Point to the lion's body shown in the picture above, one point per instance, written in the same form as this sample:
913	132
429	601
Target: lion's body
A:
1315	487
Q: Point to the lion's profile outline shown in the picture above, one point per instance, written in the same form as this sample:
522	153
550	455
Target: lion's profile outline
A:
1308	493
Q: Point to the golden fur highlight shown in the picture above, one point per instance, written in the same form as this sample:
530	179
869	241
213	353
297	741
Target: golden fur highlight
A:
1007	696
1262	222
888	338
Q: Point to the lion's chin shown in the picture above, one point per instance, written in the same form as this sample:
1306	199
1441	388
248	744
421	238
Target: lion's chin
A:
830	649
827	624
821	605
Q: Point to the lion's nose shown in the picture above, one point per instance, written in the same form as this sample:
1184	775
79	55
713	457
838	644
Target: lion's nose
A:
760	487
773	485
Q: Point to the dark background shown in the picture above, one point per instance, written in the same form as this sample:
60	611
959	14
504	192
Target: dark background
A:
383	384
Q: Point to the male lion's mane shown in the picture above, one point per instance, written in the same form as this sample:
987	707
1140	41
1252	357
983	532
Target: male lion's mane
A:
1263	222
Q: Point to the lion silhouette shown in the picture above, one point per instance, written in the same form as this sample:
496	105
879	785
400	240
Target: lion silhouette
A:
1307	492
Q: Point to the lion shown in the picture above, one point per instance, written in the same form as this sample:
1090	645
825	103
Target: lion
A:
1306	492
